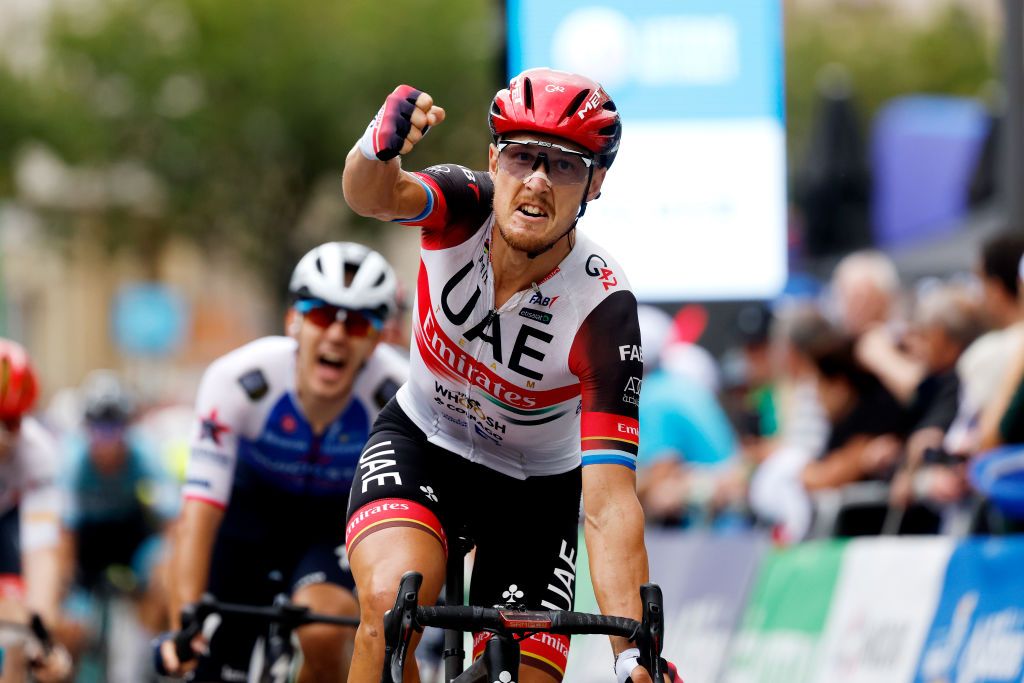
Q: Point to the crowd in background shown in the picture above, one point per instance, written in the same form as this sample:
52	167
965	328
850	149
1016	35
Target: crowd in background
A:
869	407
864	407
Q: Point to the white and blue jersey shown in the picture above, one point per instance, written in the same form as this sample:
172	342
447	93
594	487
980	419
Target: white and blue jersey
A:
253	447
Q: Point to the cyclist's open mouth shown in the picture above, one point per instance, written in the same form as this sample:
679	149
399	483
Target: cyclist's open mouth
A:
331	361
532	211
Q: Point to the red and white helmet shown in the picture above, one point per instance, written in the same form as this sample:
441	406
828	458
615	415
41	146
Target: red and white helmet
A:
562	104
18	384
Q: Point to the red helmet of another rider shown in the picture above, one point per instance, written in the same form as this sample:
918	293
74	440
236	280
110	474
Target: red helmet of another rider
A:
18	384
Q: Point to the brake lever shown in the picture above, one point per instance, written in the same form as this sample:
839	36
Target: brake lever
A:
399	623
192	618
652	631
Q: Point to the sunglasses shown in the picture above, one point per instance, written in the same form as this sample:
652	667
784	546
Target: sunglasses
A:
521	159
323	315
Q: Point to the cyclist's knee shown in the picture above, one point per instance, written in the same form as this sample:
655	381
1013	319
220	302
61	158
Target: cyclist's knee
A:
324	642
327	598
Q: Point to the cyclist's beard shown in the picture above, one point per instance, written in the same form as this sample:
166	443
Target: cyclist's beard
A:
530	244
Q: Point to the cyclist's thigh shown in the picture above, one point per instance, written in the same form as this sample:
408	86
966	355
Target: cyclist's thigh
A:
531	545
399	483
239	574
526	554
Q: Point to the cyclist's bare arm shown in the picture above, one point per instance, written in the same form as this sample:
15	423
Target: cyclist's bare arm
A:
193	548
377	186
43	582
41	554
614	532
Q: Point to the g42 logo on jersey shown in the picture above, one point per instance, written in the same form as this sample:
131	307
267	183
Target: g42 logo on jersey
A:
598	267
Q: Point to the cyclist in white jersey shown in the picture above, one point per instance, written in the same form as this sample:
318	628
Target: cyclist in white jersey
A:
280	426
525	375
30	567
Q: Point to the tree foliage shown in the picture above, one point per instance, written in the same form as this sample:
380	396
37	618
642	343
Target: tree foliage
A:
241	109
885	54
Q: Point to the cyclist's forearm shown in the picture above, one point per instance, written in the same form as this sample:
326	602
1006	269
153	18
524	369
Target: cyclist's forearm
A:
193	548
618	559
371	187
41	568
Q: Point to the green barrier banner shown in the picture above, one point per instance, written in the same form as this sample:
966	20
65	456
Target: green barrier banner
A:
783	625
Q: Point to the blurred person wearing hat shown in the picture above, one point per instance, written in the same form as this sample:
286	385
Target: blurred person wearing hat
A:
279	427
30	566
526	364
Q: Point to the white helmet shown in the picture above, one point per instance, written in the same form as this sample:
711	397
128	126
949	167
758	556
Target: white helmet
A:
321	274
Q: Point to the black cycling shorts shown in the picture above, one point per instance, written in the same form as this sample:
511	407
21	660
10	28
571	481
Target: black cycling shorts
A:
524	530
239	573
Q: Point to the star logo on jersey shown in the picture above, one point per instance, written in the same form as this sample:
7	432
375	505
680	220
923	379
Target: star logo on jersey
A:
289	424
212	429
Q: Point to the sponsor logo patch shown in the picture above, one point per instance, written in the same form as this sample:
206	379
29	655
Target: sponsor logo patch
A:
536	316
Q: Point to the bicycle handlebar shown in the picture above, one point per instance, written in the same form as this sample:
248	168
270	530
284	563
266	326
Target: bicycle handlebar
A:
406	616
466	618
286	614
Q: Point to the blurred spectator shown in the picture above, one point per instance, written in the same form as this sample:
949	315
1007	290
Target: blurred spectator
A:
945	322
777	495
868	423
1004	348
865	290
118	499
750	377
686	440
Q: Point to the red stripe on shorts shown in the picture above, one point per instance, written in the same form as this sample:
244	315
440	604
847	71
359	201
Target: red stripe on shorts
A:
388	513
545	651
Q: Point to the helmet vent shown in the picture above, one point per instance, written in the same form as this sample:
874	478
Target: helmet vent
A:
319	265
610	106
580	98
609	130
380	280
528	93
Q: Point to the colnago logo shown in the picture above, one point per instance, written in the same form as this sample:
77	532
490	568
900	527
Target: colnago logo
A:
468	368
